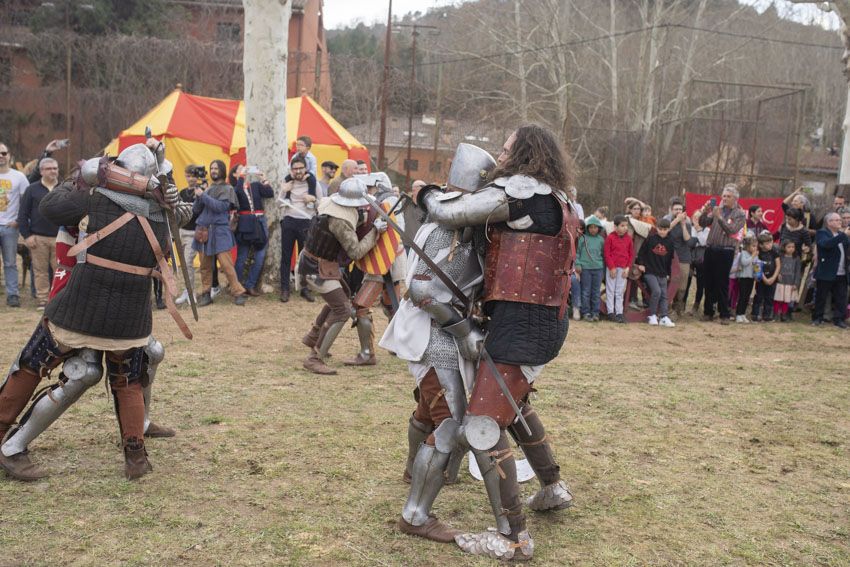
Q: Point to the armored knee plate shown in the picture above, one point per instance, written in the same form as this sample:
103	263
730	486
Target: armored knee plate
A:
479	432
79	373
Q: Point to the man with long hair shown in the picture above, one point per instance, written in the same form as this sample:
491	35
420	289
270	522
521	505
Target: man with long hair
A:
530	229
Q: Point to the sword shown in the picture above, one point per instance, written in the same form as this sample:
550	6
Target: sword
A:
176	243
443	277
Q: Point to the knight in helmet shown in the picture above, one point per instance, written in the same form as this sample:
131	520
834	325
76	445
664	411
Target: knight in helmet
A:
103	310
530	232
434	331
332	240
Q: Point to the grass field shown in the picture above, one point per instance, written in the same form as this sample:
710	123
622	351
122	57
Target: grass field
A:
699	445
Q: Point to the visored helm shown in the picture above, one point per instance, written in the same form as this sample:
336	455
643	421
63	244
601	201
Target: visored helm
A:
351	193
470	167
139	159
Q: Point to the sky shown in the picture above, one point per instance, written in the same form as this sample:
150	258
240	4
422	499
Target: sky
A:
342	13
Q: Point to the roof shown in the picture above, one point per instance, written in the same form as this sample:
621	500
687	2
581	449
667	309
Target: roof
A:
452	132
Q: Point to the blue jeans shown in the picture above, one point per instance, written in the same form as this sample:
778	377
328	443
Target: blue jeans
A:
575	291
9	242
242	251
591	286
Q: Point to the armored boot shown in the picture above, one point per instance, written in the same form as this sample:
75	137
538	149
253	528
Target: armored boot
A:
428	478
417	433
312	337
511	540
554	494
366	334
327	335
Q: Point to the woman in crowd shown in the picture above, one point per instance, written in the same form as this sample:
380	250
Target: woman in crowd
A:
252	231
755	220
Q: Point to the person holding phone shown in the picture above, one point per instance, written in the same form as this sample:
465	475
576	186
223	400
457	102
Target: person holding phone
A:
727	221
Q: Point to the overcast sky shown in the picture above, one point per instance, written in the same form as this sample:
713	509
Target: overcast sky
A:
342	13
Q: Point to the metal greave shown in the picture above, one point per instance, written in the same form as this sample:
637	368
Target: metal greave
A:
327	336
493	482
428	470
536	447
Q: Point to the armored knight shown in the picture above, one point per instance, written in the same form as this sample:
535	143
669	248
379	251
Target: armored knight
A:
379	280
104	309
432	330
530	230
332	235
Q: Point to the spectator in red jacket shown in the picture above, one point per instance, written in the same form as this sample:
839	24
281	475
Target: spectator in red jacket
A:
619	252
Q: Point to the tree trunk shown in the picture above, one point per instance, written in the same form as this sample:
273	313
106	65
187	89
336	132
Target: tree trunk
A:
264	65
615	87
523	87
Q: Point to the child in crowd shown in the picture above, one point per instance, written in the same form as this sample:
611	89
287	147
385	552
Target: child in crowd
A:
655	261
701	230
575	281
733	281
746	277
789	281
768	258
618	253
590	263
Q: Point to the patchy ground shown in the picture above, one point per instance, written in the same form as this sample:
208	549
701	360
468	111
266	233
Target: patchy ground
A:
696	445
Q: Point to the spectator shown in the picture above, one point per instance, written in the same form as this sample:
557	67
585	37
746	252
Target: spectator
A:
328	173
683	244
39	233
619	254
838	205
12	185
798	200
572	195
302	150
590	264
794	230
53	146
195	177
746	277
769	265
646	215
845	217
727	221
575	283
833	247
698	261
252	231
655	261
787	287
601	213
297	204
348	168
638	229
362	167
213	237
755	220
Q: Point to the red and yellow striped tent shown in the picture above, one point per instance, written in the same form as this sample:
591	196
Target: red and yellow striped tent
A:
198	129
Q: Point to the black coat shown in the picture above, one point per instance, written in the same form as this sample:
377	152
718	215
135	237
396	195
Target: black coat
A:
523	333
99	301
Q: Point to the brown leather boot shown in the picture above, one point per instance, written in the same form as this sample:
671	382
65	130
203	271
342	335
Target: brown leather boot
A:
20	467
432	529
362	360
315	365
311	338
158	431
136	462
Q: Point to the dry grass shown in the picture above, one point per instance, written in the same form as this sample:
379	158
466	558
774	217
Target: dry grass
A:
695	445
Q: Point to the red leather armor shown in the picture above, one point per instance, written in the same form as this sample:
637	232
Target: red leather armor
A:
527	267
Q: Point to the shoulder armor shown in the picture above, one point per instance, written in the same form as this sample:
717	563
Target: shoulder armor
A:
522	186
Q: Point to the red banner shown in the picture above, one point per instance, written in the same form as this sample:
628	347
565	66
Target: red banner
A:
772	207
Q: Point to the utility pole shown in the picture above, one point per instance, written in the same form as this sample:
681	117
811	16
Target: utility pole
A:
412	95
385	89
437	112
68	83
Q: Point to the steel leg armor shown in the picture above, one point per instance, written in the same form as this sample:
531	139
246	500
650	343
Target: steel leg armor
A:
428	479
417	433
79	373
155	353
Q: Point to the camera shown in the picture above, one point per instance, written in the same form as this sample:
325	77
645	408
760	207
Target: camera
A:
198	171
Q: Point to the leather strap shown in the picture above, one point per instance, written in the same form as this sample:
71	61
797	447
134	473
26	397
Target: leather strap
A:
91	239
119	266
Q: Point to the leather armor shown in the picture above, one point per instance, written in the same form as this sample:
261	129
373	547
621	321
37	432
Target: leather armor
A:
528	267
321	242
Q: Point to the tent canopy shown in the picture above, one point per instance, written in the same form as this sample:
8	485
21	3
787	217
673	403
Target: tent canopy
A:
197	130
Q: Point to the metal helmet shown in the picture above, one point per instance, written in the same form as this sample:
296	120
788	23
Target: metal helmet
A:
90	170
351	193
139	159
470	168
377	179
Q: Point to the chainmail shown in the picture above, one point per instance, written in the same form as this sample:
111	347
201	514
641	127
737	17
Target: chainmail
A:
134	204
441	351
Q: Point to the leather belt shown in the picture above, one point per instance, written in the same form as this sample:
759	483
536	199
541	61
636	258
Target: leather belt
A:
255	213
